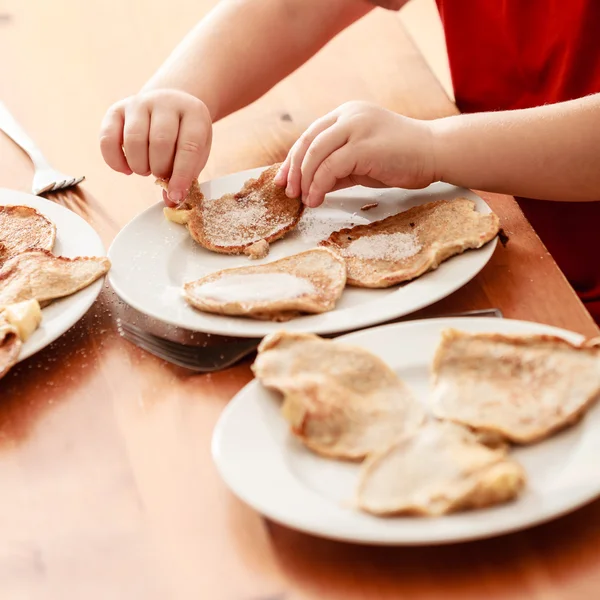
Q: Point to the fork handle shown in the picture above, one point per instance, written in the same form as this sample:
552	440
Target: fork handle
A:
10	126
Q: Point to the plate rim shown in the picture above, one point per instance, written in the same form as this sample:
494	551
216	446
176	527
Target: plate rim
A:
313	529
78	304
250	328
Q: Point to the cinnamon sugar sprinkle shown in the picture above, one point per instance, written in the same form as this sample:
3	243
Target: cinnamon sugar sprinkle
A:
384	246
236	222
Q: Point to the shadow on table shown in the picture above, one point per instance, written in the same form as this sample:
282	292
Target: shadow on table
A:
83	203
507	564
50	377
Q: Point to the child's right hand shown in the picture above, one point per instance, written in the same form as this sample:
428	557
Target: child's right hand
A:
166	133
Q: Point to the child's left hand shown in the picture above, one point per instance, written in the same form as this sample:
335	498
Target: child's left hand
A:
359	144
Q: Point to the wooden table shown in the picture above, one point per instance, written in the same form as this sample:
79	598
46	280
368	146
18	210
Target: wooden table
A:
107	489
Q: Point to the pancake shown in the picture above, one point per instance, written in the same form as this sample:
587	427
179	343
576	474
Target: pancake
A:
341	401
522	388
233	222
408	244
306	283
434	470
24	228
39	275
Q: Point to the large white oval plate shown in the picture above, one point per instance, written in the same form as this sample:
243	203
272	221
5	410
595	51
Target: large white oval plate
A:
152	258
264	465
74	237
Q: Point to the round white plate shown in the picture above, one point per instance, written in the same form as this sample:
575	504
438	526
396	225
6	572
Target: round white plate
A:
270	470
152	258
74	237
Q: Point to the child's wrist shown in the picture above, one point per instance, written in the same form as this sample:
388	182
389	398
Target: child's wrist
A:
443	133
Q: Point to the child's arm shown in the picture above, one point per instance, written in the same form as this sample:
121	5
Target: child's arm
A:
233	56
244	47
550	152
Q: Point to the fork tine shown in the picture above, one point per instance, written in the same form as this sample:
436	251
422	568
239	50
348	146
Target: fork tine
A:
195	358
143	343
156	351
172	351
193	353
152	344
55	181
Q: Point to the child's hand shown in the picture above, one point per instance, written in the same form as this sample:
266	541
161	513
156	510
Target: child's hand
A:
358	144
166	133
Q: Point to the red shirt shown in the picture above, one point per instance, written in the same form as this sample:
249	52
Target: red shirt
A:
509	54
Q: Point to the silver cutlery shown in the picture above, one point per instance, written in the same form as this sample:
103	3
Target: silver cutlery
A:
45	178
205	353
212	357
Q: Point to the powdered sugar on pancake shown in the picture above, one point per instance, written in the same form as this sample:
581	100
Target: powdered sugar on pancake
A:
384	246
254	287
318	224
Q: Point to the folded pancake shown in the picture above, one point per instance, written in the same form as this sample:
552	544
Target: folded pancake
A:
39	275
341	401
10	346
434	470
306	283
523	388
24	228
233	222
408	244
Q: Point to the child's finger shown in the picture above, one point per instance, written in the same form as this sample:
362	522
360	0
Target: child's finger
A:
135	139
282	174
167	201
324	144
193	146
335	167
164	127
296	155
111	140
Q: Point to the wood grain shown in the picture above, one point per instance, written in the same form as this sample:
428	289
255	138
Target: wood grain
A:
108	488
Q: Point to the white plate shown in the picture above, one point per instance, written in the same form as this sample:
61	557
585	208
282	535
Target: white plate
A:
271	471
152	259
74	237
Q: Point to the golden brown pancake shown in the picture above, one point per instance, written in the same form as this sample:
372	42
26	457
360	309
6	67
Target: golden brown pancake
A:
232	223
522	388
309	282
24	228
39	275
341	401
434	470
408	244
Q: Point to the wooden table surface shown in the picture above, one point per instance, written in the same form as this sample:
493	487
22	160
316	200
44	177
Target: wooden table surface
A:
107	488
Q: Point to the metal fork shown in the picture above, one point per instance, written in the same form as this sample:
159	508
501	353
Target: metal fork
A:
45	178
215	352
200	359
